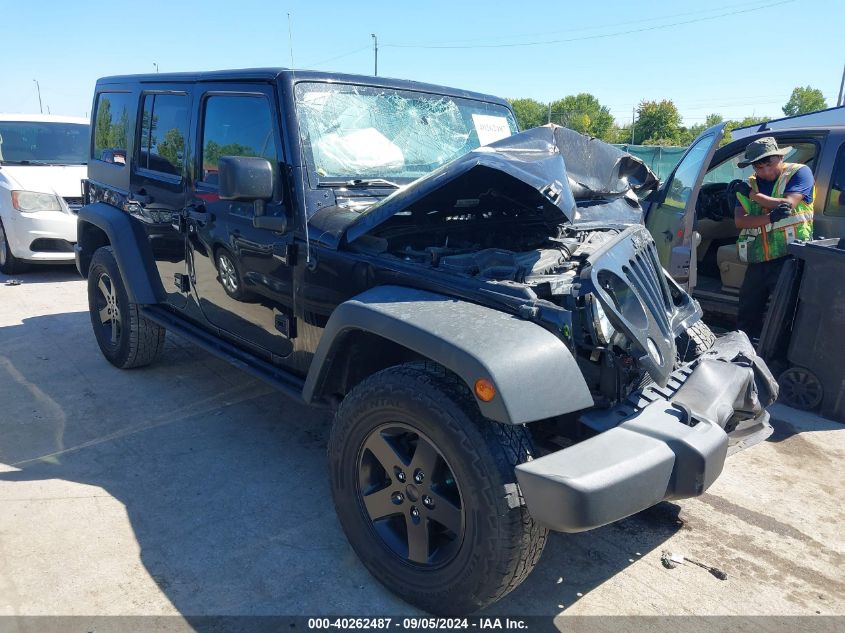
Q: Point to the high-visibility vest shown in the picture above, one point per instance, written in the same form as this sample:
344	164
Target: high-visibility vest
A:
769	242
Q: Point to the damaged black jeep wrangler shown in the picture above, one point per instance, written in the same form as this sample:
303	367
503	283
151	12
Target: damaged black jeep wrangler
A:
482	308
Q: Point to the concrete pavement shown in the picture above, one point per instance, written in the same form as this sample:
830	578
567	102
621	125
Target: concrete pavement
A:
190	488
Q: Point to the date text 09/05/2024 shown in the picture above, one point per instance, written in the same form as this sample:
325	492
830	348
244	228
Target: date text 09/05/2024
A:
409	624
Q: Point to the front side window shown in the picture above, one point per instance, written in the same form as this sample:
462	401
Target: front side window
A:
164	127
111	127
680	188
351	131
803	152
43	143
236	125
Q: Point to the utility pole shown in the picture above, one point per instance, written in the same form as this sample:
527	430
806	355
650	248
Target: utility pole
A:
550	112
40	108
156	65
633	122
839	100
375	52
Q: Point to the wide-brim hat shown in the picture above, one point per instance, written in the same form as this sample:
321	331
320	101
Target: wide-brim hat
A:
762	148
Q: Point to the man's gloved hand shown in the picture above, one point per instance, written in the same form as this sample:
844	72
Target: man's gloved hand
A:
744	188
783	210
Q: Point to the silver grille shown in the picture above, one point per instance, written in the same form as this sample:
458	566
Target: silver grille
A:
646	275
631	286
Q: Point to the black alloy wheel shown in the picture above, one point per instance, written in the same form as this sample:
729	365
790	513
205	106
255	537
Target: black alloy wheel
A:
425	490
800	388
410	495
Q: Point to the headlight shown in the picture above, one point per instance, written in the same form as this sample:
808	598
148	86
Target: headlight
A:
34	201
601	323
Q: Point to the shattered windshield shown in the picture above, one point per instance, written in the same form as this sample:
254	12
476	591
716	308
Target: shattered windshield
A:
351	131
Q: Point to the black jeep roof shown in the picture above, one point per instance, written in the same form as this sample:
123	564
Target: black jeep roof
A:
290	76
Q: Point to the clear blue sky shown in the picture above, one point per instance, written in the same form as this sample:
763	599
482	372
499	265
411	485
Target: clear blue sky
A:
689	51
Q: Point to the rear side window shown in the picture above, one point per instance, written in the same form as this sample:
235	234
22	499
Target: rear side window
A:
236	125
112	127
164	127
835	204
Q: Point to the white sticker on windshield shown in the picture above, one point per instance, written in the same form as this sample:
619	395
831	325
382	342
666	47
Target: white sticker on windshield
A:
490	128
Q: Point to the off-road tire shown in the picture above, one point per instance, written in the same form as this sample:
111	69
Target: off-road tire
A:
696	340
9	264
137	341
500	543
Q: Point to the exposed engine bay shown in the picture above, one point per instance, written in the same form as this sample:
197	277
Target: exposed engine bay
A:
554	224
511	253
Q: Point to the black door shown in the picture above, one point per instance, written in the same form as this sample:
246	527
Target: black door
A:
241	275
157	192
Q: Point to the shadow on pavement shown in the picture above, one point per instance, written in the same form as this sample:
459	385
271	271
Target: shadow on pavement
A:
44	273
788	422
224	481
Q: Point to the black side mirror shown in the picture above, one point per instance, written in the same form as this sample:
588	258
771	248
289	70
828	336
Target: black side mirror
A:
245	178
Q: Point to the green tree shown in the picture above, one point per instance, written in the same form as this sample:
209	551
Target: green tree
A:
102	126
583	113
172	147
658	123
118	132
213	151
529	113
749	120
688	135
804	100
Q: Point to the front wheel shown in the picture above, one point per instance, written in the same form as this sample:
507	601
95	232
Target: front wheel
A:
426	492
125	337
9	264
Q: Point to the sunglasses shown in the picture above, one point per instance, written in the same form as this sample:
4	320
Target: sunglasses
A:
763	162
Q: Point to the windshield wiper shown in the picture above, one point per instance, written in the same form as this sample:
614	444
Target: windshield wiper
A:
25	162
360	183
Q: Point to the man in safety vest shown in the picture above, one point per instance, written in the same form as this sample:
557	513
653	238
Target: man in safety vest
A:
775	207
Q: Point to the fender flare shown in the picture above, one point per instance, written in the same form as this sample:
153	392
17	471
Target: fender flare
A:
535	374
131	251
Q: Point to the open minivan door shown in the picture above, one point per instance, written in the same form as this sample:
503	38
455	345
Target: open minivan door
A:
670	211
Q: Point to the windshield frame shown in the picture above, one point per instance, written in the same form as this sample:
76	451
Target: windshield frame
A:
7	130
463	103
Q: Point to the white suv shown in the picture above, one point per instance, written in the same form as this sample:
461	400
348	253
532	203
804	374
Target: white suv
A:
42	163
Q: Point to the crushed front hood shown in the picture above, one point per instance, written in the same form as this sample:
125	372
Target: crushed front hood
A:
547	168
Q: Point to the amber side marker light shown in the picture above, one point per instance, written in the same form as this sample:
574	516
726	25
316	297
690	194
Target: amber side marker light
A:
485	390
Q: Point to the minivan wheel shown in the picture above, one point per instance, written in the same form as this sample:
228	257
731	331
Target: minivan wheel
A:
9	264
426	493
125	337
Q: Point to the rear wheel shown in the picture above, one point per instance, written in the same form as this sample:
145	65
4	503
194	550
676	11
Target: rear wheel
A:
425	490
125	337
800	388
9	264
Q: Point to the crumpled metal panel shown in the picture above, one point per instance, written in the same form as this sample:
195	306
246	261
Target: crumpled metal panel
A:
547	168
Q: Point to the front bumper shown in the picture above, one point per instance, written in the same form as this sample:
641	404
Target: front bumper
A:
663	443
25	231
